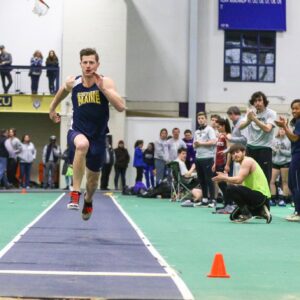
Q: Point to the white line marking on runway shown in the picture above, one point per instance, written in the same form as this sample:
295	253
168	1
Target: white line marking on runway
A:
25	229
79	273
184	290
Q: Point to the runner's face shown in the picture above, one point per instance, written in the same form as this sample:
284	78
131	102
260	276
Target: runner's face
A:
89	65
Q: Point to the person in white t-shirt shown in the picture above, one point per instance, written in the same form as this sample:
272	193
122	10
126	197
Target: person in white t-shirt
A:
196	191
260	122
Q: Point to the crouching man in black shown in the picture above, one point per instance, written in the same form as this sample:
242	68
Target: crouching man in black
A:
249	189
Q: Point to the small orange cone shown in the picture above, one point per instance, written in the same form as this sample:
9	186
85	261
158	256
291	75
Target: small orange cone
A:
23	191
218	268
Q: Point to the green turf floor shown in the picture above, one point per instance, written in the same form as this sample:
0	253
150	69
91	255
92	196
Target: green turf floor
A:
18	210
263	260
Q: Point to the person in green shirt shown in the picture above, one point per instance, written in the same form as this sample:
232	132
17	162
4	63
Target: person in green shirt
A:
249	189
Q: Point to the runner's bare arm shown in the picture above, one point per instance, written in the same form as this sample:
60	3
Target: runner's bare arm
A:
107	86
61	94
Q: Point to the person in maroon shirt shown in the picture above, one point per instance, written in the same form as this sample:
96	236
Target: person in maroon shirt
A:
222	159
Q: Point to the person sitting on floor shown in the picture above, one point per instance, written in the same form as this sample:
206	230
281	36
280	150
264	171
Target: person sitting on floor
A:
196	192
249	189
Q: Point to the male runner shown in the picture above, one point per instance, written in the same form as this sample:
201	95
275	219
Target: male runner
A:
91	95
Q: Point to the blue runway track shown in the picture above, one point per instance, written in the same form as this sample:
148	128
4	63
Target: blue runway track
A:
61	256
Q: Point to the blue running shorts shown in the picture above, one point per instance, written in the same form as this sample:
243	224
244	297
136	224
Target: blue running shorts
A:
96	153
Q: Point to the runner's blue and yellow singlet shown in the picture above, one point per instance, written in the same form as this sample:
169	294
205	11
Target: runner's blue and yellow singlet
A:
90	110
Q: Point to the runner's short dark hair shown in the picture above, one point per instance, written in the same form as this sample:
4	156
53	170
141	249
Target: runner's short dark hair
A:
89	51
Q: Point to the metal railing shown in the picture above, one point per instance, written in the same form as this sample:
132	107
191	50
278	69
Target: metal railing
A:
22	81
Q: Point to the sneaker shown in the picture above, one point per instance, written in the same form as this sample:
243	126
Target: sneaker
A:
242	219
201	204
87	210
227	210
265	213
187	203
272	203
293	218
282	203
74	201
212	204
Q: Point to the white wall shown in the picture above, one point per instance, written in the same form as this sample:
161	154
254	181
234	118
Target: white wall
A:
147	129
157	50
211	49
144	46
99	24
23	32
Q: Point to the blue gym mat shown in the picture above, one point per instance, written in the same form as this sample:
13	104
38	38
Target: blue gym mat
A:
62	256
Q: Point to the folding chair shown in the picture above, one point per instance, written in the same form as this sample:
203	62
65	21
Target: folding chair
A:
181	187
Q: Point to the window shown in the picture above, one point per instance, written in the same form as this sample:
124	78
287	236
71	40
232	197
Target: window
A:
249	56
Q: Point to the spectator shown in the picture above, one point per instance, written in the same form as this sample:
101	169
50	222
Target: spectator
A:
189	141
35	72
260	122
294	170
175	143
5	61
161	155
121	164
249	189
14	147
237	136
26	156
67	169
3	157
222	159
213	123
204	143
196	192
51	155
148	157
281	147
107	164
138	161
52	62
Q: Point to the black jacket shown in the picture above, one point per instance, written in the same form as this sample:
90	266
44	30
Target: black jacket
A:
3	150
122	157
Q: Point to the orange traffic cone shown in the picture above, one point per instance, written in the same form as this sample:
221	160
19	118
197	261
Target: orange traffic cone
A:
218	267
23	191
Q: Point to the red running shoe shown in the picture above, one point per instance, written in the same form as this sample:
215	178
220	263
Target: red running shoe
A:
87	210
74	201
